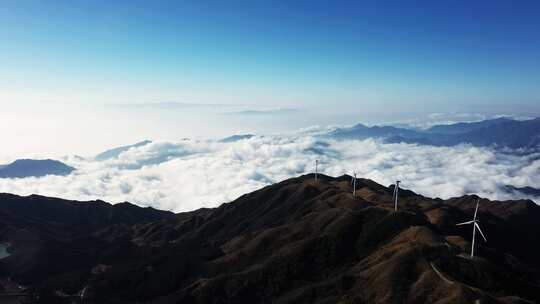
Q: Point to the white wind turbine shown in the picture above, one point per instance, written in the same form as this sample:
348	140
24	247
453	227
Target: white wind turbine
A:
316	168
354	185
395	196
475	226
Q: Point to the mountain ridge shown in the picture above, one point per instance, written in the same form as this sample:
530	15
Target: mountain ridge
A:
304	241
500	133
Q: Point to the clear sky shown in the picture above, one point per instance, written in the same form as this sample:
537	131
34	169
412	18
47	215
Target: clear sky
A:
74	71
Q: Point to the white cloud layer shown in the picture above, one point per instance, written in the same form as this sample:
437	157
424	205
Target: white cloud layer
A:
188	175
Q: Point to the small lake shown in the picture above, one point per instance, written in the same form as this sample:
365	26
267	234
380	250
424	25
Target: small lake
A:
3	250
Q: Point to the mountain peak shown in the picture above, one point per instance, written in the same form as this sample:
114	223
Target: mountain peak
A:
21	168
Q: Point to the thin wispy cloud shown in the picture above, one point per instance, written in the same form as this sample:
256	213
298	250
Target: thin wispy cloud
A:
167	105
263	112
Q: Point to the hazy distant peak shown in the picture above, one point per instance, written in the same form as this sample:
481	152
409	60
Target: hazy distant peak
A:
115	152
22	168
463	127
237	137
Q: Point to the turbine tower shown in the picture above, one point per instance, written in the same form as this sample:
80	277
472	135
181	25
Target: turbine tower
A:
354	185
475	224
316	168
395	196
83	293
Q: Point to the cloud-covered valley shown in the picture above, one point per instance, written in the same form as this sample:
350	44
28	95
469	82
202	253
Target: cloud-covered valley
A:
190	174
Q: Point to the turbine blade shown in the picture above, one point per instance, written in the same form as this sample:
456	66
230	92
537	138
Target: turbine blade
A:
465	223
476	210
480	230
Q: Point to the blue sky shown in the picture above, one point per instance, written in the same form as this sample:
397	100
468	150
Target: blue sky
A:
348	60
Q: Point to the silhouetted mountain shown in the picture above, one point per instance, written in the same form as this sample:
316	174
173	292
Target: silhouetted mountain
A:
502	132
298	241
113	153
34	168
235	138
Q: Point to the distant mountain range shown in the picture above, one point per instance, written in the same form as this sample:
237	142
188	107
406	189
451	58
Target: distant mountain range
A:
501	132
297	241
497	133
34	168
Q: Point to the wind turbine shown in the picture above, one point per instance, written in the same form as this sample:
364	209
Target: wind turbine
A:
475	226
316	168
395	196
354	185
83	293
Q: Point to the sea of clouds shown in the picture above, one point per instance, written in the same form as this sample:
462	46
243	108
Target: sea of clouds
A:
191	174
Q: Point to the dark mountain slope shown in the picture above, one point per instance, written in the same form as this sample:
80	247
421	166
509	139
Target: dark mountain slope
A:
34	168
302	241
38	228
54	218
